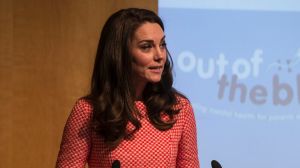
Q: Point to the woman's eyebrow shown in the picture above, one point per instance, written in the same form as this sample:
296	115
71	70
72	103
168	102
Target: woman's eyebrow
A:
151	41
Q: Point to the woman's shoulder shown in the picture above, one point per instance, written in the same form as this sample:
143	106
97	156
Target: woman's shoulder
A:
185	108
83	105
181	101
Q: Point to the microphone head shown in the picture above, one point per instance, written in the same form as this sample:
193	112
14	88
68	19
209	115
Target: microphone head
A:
215	164
116	164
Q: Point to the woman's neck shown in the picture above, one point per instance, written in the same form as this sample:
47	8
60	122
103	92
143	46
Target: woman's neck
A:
139	88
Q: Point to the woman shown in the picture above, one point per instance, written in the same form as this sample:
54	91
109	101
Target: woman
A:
132	115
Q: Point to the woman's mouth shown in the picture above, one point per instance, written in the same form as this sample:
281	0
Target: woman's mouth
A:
156	69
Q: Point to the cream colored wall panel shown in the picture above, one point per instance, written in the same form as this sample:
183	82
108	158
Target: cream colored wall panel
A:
47	49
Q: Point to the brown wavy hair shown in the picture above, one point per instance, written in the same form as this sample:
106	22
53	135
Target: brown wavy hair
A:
112	91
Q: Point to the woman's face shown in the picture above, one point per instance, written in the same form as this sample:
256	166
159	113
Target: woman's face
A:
148	51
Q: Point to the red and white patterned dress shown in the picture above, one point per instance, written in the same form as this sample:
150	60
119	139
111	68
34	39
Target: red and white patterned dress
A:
149	147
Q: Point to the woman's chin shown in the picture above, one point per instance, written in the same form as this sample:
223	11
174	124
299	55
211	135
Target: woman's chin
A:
154	80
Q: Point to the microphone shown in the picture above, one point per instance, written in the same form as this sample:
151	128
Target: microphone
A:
116	164
215	164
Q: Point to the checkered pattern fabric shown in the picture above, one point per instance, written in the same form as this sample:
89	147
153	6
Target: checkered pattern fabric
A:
148	148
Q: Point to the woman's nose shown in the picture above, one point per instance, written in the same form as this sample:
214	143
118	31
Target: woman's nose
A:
159	53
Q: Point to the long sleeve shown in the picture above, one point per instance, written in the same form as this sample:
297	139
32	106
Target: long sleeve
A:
187	151
76	139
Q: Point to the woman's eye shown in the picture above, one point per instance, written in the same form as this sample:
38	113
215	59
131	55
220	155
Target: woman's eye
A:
145	46
163	45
